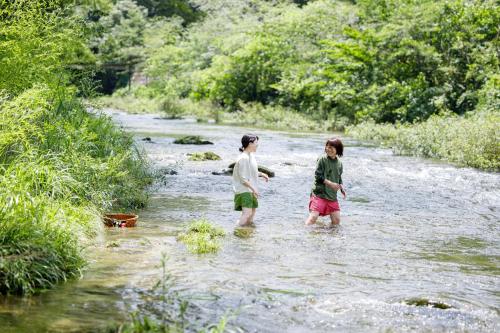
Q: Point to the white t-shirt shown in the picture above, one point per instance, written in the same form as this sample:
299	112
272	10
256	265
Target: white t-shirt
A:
245	169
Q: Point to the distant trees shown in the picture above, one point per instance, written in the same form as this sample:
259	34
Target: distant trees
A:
384	60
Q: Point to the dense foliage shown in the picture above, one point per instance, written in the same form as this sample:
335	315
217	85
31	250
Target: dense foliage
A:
60	165
330	64
388	61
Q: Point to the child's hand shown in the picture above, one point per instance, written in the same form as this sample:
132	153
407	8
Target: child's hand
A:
342	191
265	176
332	185
255	193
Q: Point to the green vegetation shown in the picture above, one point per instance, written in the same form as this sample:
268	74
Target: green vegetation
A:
202	237
60	166
206	156
323	65
467	141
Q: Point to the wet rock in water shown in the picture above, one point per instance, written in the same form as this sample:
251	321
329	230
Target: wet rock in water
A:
262	169
192	140
267	171
223	172
426	302
206	156
147	139
166	171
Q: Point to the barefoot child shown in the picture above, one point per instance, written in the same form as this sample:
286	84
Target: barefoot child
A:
327	181
245	178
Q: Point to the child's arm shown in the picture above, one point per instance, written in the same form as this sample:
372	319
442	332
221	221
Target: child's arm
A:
342	190
341	183
265	176
332	185
319	173
254	191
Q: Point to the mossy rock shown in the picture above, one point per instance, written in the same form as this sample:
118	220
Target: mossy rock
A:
426	302
206	156
192	140
262	169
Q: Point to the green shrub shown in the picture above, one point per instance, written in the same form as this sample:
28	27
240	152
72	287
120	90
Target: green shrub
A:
59	166
41	237
470	140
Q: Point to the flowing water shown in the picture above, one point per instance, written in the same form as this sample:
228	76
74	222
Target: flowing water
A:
411	229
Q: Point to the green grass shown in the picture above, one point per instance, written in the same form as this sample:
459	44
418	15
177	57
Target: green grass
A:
130	104
471	140
274	117
202	237
60	167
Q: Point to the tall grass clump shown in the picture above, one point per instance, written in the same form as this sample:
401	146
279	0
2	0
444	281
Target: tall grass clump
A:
59	167
202	237
471	140
41	239
266	116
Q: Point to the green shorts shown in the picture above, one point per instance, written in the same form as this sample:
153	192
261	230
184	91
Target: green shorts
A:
245	200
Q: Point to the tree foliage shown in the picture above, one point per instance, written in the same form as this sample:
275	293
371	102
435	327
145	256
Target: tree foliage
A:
384	60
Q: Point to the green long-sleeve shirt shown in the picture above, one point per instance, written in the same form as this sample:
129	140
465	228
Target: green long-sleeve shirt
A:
327	168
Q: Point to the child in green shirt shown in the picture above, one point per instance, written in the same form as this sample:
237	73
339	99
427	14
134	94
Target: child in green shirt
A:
327	181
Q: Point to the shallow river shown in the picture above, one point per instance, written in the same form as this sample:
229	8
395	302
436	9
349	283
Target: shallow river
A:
411	228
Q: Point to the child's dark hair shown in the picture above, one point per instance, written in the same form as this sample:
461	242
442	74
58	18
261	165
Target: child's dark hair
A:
246	139
337	144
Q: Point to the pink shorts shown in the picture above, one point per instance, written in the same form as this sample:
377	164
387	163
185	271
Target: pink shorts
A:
323	206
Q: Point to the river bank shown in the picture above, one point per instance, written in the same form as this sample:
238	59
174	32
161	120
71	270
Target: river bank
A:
471	140
61	167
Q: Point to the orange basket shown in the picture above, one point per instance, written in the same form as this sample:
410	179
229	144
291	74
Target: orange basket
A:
120	220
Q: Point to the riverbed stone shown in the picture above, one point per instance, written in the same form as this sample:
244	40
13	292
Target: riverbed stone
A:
223	172
205	156
192	140
262	169
426	302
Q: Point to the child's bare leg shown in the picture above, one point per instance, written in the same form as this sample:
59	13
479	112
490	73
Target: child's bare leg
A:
335	217
250	219
246	213
313	216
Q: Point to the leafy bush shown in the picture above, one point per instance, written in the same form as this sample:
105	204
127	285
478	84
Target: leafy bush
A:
59	165
470	140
